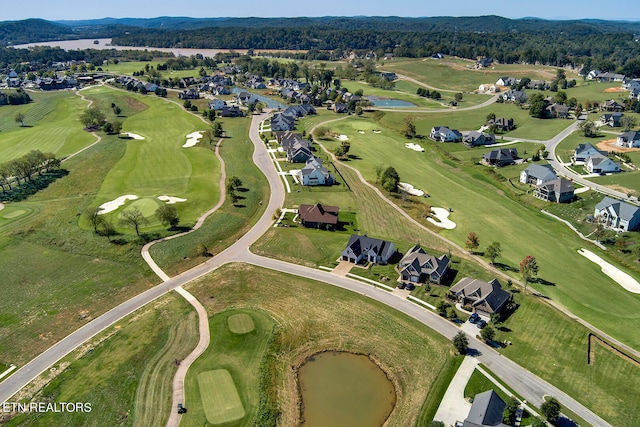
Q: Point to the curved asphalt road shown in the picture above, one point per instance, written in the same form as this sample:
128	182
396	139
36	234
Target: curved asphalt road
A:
523	382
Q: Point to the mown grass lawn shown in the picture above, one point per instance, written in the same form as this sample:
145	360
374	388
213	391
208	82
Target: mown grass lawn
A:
224	226
125	373
411	353
241	355
159	165
480	205
51	125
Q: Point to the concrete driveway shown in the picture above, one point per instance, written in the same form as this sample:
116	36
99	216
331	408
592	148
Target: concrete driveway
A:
453	406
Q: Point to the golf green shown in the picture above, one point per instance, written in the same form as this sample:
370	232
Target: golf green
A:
220	398
240	323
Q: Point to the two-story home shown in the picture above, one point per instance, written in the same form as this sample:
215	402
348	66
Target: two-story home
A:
501	157
560	190
617	215
582	153
537	174
313	173
475	138
486	298
515	96
629	139
366	249
417	266
506	81
217	104
612	119
444	134
601	164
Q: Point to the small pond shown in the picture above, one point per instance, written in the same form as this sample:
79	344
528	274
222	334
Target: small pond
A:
388	102
344	389
270	103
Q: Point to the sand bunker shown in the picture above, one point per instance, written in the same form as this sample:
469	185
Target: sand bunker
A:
414	147
171	200
443	219
622	278
342	138
133	135
115	204
408	188
192	139
361	131
377	131
1	206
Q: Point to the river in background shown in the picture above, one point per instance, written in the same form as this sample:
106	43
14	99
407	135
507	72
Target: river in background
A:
344	389
106	44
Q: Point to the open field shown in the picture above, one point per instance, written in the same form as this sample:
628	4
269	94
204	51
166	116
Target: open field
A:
480	205
125	373
222	386
546	346
52	125
453	74
412	354
229	222
159	165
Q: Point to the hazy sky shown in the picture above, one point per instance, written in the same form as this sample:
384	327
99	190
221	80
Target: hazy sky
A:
551	9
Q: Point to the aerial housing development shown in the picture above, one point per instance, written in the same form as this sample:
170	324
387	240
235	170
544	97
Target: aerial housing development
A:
320	221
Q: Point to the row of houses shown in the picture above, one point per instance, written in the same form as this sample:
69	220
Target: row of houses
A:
548	186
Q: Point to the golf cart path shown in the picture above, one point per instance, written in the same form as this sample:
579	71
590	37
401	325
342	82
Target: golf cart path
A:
95	135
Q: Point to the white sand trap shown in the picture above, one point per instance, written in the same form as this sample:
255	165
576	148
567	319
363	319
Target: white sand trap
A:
171	200
342	138
377	131
622	278
414	147
115	204
443	219
133	135
1	206
581	190
408	188
192	139
361	131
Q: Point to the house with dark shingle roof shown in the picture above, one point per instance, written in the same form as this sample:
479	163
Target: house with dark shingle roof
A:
612	119
560	190
601	164
487	410
583	152
501	157
629	139
475	138
318	216
366	249
485	297
537	174
417	266
313	173
617	215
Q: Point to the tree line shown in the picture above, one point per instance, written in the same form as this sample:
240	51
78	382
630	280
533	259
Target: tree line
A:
24	170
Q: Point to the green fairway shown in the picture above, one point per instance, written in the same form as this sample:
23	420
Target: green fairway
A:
220	398
240	323
53	125
159	165
125	373
480	205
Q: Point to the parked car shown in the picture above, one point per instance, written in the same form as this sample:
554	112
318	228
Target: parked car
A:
410	286
481	324
181	409
474	318
401	285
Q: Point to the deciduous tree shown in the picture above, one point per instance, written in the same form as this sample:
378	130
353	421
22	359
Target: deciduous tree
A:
461	342
133	218
390	180
551	409
528	269
168	215
95	219
472	242
494	250
20	119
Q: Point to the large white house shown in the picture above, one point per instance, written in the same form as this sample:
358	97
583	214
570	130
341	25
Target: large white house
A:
617	215
313	173
444	134
601	164
629	139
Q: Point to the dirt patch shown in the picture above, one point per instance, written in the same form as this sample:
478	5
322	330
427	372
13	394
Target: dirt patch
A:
592	340
616	89
610	145
136	105
622	189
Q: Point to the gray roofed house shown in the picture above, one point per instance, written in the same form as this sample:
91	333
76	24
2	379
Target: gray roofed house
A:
559	190
485	298
366	249
502	124
313	173
444	134
506	81
537	174
612	105
629	139
500	157
417	266
612	119
601	164
515	96
280	122
617	215
583	152
558	111
475	138
487	410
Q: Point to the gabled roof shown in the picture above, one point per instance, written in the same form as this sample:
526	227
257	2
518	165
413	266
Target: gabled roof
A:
559	185
319	213
541	172
622	210
364	244
486	296
419	261
487	410
585	147
629	136
509	154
